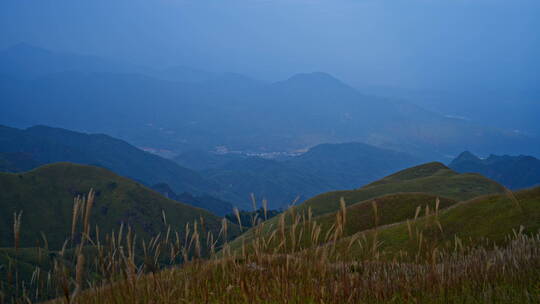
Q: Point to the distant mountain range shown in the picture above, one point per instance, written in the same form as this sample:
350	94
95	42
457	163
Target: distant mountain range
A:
180	109
515	172
26	61
45	145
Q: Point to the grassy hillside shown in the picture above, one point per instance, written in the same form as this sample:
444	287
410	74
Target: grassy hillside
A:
476	271
492	217
391	208
45	196
441	256
430	178
397	196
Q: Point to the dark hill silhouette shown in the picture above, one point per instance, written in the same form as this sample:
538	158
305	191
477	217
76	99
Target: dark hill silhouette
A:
323	168
43	145
515	172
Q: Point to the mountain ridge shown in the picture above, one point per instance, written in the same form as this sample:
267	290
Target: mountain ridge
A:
322	168
267	117
43	145
515	172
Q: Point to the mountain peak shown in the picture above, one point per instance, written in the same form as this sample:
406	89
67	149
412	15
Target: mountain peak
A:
315	79
465	157
420	171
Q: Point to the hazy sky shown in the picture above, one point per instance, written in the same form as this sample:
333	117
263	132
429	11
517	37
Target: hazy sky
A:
405	43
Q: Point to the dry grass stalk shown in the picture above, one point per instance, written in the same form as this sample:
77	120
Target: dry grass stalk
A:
265	209
17	217
75	215
237	214
87	213
343	209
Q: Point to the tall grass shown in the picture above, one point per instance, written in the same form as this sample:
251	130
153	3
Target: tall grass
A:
92	258
303	263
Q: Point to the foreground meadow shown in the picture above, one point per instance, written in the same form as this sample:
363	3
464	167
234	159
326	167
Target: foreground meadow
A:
296	261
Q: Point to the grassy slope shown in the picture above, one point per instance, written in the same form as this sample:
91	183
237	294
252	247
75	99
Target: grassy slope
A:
507	274
25	261
391	208
493	217
432	179
311	277
45	195
482	277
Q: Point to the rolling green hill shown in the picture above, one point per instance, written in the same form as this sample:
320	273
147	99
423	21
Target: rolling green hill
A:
431	178
391	208
492	217
397	196
45	196
392	270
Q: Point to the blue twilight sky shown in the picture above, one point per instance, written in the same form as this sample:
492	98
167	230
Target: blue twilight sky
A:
443	44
